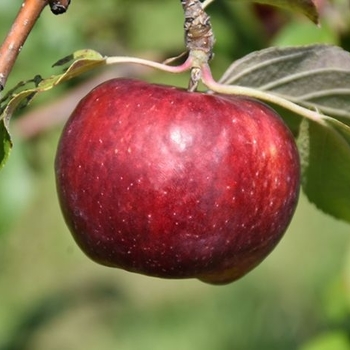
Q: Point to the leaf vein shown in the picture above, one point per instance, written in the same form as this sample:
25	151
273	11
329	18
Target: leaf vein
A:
227	79
300	75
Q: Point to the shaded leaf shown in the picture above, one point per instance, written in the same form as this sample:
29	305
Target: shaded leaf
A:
306	7
82	61
325	160
6	143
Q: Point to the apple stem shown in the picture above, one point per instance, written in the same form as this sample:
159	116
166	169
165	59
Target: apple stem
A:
20	29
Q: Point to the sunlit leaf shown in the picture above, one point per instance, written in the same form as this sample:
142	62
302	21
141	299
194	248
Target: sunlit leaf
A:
82	61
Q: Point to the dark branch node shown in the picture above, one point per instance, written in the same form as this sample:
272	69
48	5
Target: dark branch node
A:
59	6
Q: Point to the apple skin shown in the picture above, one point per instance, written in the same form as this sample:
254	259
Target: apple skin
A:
176	184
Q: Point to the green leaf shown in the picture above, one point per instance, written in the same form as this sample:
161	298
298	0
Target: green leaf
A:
82	61
305	7
314	76
325	160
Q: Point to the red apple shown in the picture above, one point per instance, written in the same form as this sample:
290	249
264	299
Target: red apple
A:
176	184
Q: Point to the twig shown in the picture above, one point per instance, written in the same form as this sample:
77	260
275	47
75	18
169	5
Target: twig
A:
198	30
16	37
199	38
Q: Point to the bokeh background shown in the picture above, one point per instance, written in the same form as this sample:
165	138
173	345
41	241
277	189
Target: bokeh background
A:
53	298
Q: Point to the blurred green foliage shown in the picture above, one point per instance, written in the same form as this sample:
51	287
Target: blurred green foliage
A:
52	297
